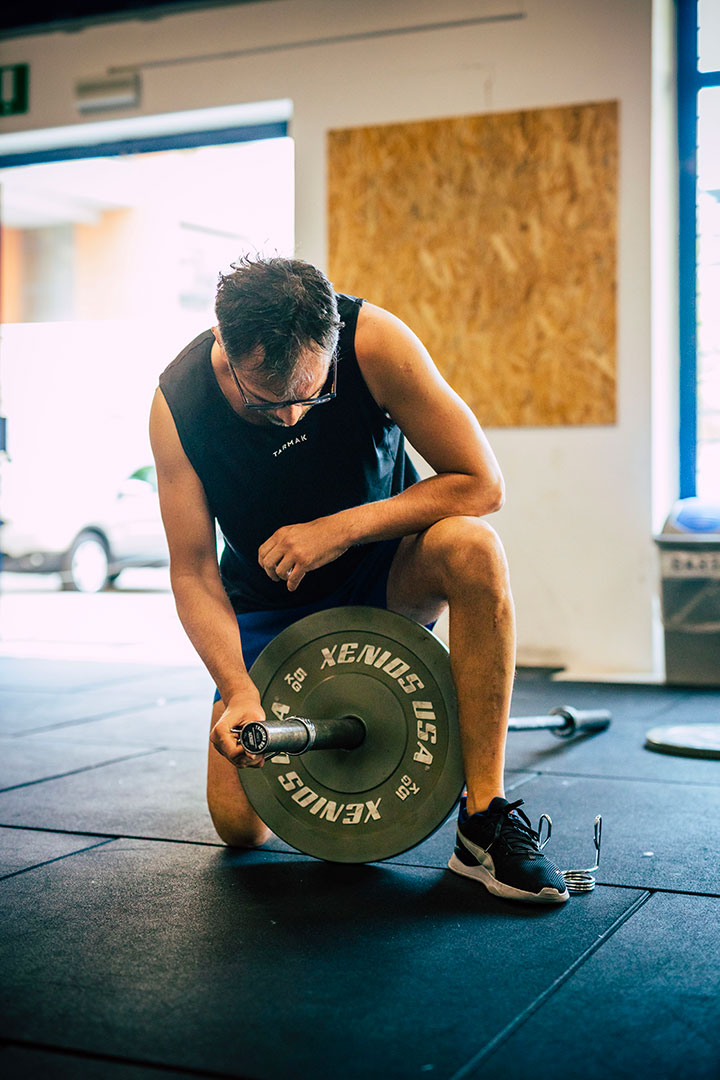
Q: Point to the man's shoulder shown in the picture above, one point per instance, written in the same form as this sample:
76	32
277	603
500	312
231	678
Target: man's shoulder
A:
195	351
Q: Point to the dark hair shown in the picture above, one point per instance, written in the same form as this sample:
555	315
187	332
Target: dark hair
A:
282	306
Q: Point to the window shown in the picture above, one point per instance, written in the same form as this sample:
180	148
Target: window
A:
109	261
699	150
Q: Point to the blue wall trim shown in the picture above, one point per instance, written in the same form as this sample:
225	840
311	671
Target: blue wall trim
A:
687	94
180	141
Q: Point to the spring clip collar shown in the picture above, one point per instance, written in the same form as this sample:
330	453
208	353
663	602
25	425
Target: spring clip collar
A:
582	881
577	881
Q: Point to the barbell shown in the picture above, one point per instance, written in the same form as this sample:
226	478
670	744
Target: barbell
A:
361	741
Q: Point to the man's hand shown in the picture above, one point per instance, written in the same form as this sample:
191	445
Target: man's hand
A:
294	550
242	709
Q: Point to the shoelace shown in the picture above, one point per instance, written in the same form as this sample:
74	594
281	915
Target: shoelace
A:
519	839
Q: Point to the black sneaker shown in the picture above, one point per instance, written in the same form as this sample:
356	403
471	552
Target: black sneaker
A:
500	849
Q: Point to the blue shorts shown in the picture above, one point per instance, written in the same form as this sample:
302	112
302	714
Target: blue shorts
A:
367	585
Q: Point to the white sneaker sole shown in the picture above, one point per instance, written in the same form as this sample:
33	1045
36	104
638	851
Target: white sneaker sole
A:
507	892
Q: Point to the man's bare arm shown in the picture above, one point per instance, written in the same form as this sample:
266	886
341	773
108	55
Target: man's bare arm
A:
202	604
406	383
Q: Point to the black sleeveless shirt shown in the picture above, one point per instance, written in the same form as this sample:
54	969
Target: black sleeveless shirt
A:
345	453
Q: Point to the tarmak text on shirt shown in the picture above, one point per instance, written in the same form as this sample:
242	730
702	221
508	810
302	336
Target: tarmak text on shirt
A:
292	442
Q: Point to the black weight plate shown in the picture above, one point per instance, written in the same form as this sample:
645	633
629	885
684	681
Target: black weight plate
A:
685	740
389	794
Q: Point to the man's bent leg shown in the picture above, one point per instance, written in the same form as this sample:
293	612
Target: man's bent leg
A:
235	821
460	561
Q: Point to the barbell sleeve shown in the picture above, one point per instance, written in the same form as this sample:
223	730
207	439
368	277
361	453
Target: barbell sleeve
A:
297	734
563	721
580	721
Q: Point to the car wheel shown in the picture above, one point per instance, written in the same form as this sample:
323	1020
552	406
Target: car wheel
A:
87	564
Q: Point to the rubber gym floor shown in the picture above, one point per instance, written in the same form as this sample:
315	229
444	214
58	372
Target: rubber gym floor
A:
135	946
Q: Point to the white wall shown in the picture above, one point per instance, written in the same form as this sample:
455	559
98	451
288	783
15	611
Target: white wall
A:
579	518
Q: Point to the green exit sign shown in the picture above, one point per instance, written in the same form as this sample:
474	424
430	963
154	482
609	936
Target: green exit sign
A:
14	89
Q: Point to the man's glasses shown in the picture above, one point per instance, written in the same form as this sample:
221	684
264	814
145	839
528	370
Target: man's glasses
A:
320	398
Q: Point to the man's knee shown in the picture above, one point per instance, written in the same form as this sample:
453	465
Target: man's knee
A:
240	834
470	554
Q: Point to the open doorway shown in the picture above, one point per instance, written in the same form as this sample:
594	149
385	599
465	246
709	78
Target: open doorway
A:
109	267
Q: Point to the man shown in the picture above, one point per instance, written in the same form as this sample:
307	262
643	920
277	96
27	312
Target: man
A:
286	423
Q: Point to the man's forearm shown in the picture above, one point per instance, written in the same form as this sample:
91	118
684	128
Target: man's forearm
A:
209	621
419	507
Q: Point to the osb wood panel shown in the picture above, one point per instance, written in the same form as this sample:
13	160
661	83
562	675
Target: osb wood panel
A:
494	238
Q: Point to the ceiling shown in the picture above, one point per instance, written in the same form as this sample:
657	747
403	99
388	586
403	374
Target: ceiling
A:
45	16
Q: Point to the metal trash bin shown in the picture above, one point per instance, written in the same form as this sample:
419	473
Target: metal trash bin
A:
690	571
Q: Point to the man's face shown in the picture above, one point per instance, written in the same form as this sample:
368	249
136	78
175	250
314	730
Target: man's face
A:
310	378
